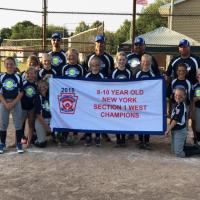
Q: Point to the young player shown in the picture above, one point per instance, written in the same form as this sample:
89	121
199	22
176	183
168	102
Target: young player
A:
47	71
72	69
28	101
43	115
145	72
94	74
121	72
10	95
196	107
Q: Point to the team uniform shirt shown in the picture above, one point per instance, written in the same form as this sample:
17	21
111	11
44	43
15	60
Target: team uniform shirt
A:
90	75
10	85
142	74
179	115
121	74
134	63
28	98
73	71
192	63
58	60
106	65
43	72
42	106
196	93
176	83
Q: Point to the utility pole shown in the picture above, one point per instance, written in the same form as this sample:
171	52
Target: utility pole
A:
44	25
171	14
133	31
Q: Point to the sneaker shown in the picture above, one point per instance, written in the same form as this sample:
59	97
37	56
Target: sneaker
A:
123	142
118	143
106	137
141	145
98	141
147	146
2	148
20	148
40	144
88	141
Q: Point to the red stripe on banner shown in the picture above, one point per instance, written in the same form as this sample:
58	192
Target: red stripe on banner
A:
142	2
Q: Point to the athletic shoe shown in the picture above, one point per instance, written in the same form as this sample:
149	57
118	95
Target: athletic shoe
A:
123	142
2	148
88	141
106	137
20	148
98	141
141	145
147	146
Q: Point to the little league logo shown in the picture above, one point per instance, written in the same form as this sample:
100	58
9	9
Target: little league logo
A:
67	103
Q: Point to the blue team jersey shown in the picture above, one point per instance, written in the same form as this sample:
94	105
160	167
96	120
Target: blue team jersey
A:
42	106
10	85
134	62
142	74
192	63
90	75
43	72
73	71
179	115
58	60
106	65
121	74
28	98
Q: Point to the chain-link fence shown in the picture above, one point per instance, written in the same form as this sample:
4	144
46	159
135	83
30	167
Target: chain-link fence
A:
161	28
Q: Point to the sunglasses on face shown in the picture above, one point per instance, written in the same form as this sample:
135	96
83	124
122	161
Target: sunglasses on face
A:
58	40
138	44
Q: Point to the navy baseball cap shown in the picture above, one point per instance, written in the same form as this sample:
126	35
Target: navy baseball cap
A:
184	42
56	36
139	40
99	38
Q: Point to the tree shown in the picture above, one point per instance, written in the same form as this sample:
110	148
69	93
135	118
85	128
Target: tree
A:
25	29
150	18
113	40
111	45
6	33
52	28
96	24
81	27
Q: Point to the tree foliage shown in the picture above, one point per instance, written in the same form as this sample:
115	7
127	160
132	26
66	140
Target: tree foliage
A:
150	18
52	28
25	29
96	24
81	27
6	33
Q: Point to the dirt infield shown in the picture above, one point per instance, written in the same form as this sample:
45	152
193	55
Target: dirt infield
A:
105	173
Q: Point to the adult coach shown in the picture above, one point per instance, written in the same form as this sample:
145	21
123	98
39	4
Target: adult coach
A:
135	57
191	61
107	62
58	55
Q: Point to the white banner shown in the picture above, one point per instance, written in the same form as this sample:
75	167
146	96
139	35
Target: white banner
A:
108	106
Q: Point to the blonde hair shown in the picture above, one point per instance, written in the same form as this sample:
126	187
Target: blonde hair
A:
147	57
46	55
72	50
120	53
